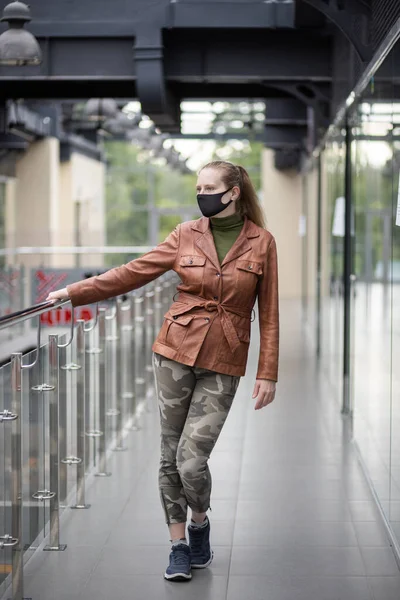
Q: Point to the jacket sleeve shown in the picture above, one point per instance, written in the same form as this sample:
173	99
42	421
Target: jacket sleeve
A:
128	277
268	314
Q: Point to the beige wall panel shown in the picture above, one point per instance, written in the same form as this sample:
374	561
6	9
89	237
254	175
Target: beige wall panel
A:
88	188
36	195
41	204
10	219
66	215
312	210
282	194
326	240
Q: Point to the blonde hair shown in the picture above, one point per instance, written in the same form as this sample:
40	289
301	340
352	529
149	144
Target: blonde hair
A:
248	203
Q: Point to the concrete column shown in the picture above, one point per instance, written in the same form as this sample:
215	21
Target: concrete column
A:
311	233
326	232
282	196
41	205
10	219
82	208
35	199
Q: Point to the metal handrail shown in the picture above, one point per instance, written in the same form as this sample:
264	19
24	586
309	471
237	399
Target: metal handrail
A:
27	313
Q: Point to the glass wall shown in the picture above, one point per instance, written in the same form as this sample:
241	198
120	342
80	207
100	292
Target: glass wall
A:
332	247
376	324
374	148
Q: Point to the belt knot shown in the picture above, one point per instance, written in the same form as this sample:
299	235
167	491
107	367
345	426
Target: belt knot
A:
210	305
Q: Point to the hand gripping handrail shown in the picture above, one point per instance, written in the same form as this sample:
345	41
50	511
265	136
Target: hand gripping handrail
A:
27	313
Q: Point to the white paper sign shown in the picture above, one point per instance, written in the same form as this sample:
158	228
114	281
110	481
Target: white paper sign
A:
338	226
302	225
398	205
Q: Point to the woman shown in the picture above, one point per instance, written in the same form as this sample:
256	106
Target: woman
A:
226	259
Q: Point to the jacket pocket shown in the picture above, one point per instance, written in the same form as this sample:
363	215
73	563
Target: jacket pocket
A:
239	357
174	330
192	260
191	270
248	273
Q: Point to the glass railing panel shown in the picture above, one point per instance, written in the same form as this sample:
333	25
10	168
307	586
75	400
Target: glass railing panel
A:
33	451
5	504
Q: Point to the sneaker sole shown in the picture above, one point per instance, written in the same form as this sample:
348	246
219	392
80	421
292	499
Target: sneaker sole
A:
207	564
178	577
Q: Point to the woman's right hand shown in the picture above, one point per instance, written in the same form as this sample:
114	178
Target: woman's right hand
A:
61	294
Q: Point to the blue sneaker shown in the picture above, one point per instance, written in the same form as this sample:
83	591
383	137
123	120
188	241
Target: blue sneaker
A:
179	564
199	542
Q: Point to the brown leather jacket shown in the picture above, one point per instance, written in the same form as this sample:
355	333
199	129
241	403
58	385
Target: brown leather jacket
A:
209	323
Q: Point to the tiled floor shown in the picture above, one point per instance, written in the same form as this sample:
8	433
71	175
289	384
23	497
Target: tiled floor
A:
292	517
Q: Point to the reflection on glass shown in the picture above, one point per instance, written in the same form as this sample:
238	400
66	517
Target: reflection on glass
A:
376	326
332	276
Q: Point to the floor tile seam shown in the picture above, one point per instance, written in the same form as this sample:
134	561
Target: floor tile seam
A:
143	471
244	430
378	518
286	578
104	545
381	528
319	546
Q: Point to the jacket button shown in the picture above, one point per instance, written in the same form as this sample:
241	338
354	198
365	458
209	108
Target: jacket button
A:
206	318
175	317
250	267
218	274
215	298
190	262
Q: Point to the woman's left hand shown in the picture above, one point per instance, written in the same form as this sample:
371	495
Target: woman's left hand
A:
264	391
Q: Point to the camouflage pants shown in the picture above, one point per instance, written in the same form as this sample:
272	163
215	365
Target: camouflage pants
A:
193	405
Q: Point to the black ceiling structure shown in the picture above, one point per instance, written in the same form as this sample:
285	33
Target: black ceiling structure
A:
301	57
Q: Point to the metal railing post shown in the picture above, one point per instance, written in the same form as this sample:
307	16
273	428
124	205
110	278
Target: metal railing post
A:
54	446
158	305
81	400
103	386
140	362
129	366
63	415
149	337
119	380
16	478
92	390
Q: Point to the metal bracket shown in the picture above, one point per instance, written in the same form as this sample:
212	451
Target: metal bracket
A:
7	540
43	495
112	412
71	460
7	415
349	17
43	387
71	367
72	331
95	321
156	99
94	433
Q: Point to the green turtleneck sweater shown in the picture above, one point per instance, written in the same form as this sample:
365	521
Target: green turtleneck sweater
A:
225	231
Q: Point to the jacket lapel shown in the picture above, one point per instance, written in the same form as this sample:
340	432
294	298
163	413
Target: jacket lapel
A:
241	245
206	241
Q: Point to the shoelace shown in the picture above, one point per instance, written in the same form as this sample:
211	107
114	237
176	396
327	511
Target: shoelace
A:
196	540
180	556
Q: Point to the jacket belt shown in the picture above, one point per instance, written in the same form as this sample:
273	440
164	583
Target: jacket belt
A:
223	312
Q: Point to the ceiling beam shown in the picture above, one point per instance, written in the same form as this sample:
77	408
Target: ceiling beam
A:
99	18
352	17
232	14
282	111
284	136
284	56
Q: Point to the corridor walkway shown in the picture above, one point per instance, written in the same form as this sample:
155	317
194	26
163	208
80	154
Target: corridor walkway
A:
292	517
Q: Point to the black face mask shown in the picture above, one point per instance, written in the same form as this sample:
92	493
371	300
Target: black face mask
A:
210	204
